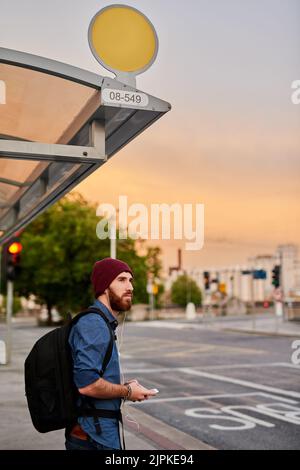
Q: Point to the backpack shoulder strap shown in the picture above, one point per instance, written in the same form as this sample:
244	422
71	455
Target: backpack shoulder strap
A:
112	335
88	400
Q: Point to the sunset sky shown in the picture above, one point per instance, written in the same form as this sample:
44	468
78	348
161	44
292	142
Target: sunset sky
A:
232	138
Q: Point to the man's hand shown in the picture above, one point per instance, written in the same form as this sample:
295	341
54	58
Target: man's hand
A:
139	393
106	390
130	381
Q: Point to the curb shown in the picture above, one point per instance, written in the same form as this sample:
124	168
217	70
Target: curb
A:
261	333
164	436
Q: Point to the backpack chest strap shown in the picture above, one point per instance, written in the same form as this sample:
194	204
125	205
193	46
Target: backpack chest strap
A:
101	413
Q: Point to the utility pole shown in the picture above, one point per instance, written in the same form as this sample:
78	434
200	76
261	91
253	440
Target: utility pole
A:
113	235
253	300
281	283
252	293
150	291
9	311
11	263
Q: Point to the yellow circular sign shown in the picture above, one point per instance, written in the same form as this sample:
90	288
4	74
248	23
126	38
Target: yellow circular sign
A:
155	289
123	39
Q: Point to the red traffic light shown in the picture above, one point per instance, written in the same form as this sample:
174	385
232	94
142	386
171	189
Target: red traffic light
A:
15	248
276	271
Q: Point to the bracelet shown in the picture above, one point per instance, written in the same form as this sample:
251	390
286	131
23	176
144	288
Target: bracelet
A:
129	392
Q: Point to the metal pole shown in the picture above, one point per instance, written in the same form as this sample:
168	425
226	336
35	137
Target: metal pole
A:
253	300
281	283
113	248
112	237
9	310
276	317
0	270
240	285
151	301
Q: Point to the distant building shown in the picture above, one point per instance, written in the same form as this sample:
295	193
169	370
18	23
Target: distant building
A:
288	258
238	280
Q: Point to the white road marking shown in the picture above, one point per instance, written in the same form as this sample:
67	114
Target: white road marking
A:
173	326
254	365
287	364
243	383
220	395
232	411
213	414
227	366
287	413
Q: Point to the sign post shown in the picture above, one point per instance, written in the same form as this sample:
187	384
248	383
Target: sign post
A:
126	55
9	311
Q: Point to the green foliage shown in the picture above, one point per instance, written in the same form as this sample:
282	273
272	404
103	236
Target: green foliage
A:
154	263
17	306
185	290
158	297
60	248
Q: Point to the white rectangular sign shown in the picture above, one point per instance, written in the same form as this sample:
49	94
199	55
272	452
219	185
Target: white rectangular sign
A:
114	96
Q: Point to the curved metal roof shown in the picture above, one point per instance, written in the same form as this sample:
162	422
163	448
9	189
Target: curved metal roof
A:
58	124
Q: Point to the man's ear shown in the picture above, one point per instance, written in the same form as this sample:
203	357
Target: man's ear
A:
106	293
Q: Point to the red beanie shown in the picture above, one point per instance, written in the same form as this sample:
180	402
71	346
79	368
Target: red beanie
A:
105	271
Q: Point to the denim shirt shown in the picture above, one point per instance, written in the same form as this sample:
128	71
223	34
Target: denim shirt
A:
89	340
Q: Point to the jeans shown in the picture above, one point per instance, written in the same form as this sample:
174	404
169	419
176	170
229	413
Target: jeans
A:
73	443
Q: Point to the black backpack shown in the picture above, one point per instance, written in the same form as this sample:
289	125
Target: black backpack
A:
50	390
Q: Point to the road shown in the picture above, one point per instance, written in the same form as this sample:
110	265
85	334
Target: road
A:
217	389
228	390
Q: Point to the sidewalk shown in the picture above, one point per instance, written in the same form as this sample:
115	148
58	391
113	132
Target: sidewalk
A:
18	433
142	431
248	324
270	326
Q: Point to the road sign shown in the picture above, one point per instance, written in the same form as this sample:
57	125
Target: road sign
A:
155	289
149	288
123	53
222	287
259	274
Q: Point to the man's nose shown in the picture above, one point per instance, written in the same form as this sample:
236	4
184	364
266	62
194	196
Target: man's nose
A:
129	286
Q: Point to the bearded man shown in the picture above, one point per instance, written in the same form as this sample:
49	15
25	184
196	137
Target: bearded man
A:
90	339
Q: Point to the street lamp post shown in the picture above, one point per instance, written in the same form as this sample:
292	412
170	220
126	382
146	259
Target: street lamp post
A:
113	235
9	310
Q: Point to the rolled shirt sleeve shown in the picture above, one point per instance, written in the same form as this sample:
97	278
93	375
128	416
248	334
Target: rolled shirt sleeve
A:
89	340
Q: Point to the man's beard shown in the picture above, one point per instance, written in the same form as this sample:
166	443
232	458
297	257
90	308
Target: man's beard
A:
117	303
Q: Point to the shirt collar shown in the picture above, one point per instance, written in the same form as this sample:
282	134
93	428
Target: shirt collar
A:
112	320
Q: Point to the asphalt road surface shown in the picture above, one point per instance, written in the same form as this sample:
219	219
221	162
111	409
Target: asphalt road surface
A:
228	390
221	389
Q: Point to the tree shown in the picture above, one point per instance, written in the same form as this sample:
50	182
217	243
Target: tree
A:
154	263
154	266
59	249
185	290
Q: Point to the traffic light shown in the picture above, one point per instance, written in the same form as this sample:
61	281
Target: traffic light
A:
222	288
11	253
206	276
276	275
